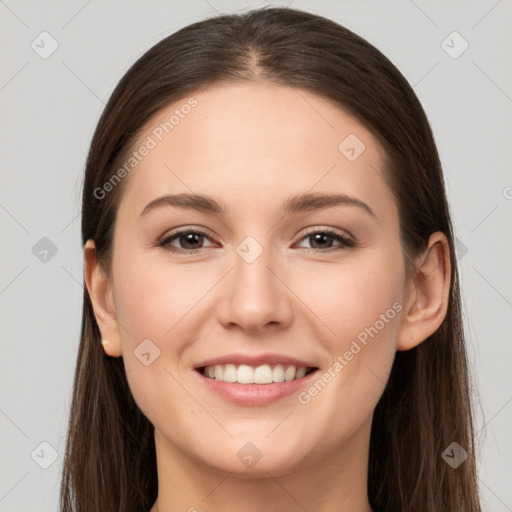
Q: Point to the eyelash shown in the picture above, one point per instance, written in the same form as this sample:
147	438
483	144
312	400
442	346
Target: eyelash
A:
345	243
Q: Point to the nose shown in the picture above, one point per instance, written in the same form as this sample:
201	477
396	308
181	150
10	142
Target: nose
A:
254	295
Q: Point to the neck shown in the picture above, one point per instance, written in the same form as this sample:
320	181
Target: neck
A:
335	483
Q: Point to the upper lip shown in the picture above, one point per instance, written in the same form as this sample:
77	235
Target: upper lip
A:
255	360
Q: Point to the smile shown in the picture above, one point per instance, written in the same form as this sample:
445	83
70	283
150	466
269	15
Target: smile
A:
263	374
258	386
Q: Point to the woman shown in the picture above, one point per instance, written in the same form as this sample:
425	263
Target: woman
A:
271	309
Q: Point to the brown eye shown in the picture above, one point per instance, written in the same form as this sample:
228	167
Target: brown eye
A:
319	240
322	240
188	241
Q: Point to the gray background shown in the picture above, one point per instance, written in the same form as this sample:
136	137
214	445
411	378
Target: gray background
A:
50	107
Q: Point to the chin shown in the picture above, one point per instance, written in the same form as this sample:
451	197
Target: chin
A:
249	463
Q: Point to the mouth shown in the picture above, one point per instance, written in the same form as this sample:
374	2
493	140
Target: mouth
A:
247	385
262	374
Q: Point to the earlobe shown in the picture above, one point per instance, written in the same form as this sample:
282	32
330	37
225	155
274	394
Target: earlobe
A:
427	301
100	292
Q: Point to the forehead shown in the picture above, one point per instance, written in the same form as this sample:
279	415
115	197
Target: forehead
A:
251	143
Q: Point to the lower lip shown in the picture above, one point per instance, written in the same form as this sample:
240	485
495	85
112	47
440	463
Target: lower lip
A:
256	394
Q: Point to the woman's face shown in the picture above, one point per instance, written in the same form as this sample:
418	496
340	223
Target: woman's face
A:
257	288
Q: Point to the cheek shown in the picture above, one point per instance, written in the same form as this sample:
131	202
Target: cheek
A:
361	307
151	300
152	304
353	297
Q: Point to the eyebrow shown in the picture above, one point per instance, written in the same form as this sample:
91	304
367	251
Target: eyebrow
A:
296	204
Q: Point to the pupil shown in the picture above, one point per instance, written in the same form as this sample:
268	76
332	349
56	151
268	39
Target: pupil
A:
189	238
320	237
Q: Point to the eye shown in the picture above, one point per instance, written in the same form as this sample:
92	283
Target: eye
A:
189	239
322	238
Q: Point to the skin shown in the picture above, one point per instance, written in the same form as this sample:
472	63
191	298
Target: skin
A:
253	146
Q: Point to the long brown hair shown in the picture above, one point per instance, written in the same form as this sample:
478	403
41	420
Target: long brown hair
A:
110	460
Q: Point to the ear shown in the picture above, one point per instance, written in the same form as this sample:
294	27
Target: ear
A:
428	292
100	292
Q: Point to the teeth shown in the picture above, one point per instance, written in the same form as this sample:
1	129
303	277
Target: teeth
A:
278	373
263	374
245	374
289	374
229	373
300	372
